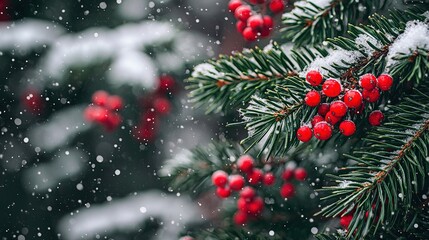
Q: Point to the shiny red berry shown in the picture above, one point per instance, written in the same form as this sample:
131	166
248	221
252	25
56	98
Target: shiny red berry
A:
312	98
100	98
323	109
240	26
114	103
314	77
247	193
234	4
249	34
162	105
331	87
277	6
242	204
255	176
322	131
384	82
304	134
255	22
331	119
236	182
371	95
219	178
245	163
256	206
347	128
316	119
338	108
268	22
345	221
223	192
368	81
287	190
375	118
353	98
287	174
166	83
240	218
268	179
243	12
300	174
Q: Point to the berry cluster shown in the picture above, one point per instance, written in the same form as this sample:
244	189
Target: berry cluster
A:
252	23
348	101
249	204
104	110
153	106
288	189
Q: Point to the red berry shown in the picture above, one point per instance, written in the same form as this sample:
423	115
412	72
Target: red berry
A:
312	98
249	34
314	77
268	22
234	4
162	105
345	221
114	103
100	98
255	22
32	100
247	193
255	176
265	32
322	131
338	108
331	119
331	87
316	119
245	163
220	178
242	204
287	174
243	12
384	82
368	81
112	122
375	118
223	192
353	98
240	218
240	25
347	128
256	206
304	134
287	190
166	83
96	114
323	109
371	95
269	179
300	174
236	182
277	6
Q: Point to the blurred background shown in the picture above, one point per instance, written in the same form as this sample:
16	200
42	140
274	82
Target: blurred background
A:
65	173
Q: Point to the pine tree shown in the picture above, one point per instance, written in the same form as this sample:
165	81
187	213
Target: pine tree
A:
370	182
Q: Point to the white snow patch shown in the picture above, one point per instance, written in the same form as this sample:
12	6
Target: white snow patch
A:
416	35
133	9
337	57
298	6
364	41
206	69
180	159
127	214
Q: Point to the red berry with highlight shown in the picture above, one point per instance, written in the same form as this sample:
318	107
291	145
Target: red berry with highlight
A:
323	109
312	98
304	134
255	22
114	103
268	22
162	105
287	174
331	119
247	193
234	4
240	218
345	221
240	25
245	163
287	190
223	192
242	204
277	6
219	178
314	77
100	98
368	81
256	206
269	179
338	108
384	82
243	12
322	131
371	95
353	98
236	182
375	118
347	128
316	119
249	34
331	87
300	174
255	176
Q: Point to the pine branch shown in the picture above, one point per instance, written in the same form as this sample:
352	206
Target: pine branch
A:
224	84
383	169
311	22
413	66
